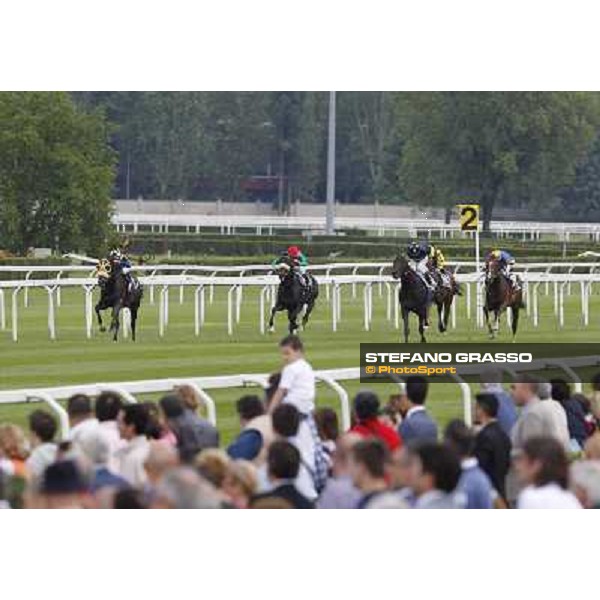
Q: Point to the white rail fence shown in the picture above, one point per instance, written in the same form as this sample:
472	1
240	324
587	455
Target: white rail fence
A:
333	378
230	224
559	284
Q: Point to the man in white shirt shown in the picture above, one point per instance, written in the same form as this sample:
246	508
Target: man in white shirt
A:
555	413
133	423
107	408
297	384
297	387
84	426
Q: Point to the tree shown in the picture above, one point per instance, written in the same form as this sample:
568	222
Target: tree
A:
56	173
582	199
492	147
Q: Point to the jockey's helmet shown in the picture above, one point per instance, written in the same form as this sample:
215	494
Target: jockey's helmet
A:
115	254
293	251
414	249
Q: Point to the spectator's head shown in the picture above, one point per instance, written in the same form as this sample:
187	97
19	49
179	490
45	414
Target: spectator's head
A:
560	390
436	467
591	448
486	408
283	461
542	461
107	407
544	390
460	437
213	465
129	498
156	427
369	461
96	449
241	483
64	486
13	442
585	482
79	408
524	390
366	405
183	488
341	456
133	421
172	406
248	408
42	426
400	467
490	378
327	424
161	457
291	348
415	393
286	420
190	397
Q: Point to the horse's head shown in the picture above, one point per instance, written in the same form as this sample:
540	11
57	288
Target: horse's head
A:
399	267
283	270
493	269
103	272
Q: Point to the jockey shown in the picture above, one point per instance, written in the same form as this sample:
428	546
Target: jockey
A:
418	255
298	260
506	261
438	262
120	262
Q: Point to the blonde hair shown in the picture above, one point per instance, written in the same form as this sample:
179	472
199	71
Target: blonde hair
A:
243	474
213	464
13	442
190	397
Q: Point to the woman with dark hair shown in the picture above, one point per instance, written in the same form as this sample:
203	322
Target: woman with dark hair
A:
543	467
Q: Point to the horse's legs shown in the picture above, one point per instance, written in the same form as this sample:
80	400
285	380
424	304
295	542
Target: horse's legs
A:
405	315
486	313
272	318
115	321
447	308
422	326
133	310
440	309
293	319
309	308
99	316
515	320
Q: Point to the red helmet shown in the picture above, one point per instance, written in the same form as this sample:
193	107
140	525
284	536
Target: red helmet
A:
293	251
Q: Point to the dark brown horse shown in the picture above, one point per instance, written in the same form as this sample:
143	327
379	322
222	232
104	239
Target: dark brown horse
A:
414	296
443	296
116	294
500	294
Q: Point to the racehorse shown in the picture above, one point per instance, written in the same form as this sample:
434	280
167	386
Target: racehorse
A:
414	295
443	296
500	294
115	293
293	296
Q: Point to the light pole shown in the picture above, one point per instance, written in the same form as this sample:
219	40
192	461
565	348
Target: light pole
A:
330	207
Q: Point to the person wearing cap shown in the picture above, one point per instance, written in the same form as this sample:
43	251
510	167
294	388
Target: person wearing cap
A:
368	424
63	486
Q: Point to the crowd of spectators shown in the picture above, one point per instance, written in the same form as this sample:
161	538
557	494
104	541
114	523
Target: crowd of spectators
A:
533	447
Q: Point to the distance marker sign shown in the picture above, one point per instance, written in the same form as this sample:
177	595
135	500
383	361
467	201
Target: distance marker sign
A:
468	217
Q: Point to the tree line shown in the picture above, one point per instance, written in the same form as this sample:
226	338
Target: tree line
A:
63	156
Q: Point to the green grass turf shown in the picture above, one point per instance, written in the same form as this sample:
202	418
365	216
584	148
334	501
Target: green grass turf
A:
36	361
